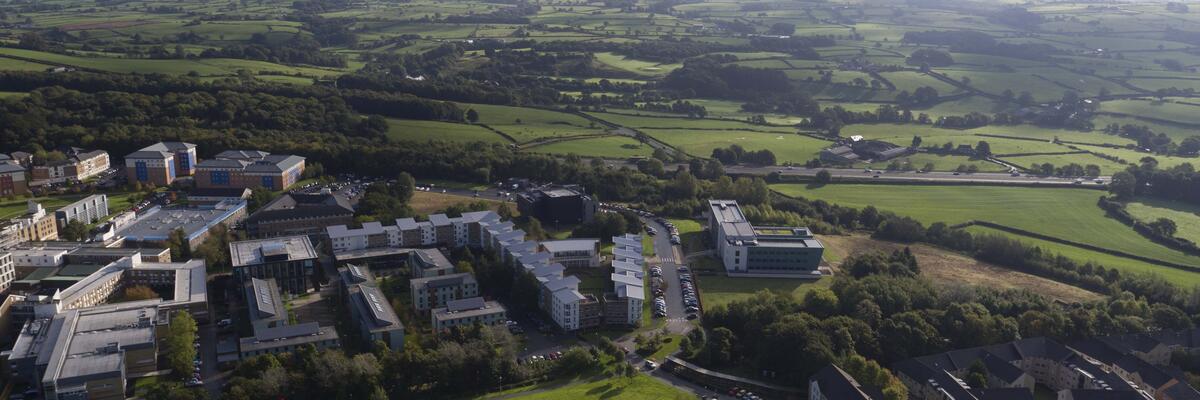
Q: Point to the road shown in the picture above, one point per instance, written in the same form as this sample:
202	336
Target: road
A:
855	174
669	256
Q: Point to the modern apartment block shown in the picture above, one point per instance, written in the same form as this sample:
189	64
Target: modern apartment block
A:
273	332
87	210
36	225
78	166
250	169
161	163
425	263
467	312
300	214
435	292
573	253
288	260
467	230
13	181
376	319
8	271
750	251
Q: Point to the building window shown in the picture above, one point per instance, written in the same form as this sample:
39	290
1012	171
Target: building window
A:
141	172
219	177
268	182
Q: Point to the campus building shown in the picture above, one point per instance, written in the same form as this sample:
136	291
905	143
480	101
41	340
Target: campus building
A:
78	166
8	272
250	169
87	210
36	225
750	251
161	163
74	346
369	308
288	260
300	214
435	292
12	179
426	263
832	383
152	227
573	253
558	205
273	332
467	312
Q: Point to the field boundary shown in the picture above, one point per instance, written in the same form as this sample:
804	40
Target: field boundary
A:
1085	246
498	132
1054	153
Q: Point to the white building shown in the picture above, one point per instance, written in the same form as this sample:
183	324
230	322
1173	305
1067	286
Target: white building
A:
88	210
466	312
573	253
38	257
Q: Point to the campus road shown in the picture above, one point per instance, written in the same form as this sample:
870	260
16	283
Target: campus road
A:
669	257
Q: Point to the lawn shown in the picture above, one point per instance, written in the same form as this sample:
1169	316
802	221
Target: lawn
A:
1133	157
1186	219
786	146
530	124
719	289
407	129
1125	265
633	121
428	202
208	66
117	202
1066	213
640	387
691	235
1165	110
608	147
638	67
1107	167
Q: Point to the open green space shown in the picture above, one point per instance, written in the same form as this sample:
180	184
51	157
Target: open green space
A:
608	147
640	387
1185	216
1134	157
208	66
1066	213
529	124
1125	265
14	207
788	147
407	129
1174	110
718	290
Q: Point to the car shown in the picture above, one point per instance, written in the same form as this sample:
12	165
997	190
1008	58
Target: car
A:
682	268
194	383
956	173
224	323
692	309
650	365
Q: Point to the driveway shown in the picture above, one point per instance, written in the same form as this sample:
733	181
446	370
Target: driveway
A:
669	257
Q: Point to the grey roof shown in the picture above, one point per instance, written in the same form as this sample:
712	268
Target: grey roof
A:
470	303
376	306
300	205
157	224
433	257
287	335
555	246
439	219
368	228
286	331
731	220
837	384
568	295
148	155
434	282
477	216
558	284
407	224
266	304
169	146
7	167
252	252
274	164
242	154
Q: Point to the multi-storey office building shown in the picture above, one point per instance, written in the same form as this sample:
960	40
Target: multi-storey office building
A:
300	214
289	260
749	251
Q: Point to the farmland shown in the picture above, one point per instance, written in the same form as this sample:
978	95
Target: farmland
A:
1064	213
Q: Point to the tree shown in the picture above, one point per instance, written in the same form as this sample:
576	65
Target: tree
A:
404	187
824	176
977	375
983	149
1164	227
139	292
1123	185
178	243
916	142
720	346
179	343
259	196
74	231
472	116
820	302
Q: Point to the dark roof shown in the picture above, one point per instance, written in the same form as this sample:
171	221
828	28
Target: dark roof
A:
837	384
1141	343
1097	349
146	154
1151	375
1004	394
1099	394
291	206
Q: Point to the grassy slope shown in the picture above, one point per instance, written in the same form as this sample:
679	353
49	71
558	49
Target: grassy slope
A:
1066	213
639	388
1185	216
611	147
432	130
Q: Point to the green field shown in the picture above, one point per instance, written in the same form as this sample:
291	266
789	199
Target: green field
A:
608	147
208	67
530	124
407	129
1169	110
117	202
719	289
1066	213
1186	217
787	147
641	387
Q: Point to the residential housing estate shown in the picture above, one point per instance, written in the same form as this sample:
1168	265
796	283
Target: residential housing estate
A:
753	251
274	332
369	308
78	166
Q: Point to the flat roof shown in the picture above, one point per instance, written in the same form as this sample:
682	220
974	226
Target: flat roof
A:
469	307
735	227
369	253
286	248
341	231
729	217
158	223
441	281
555	246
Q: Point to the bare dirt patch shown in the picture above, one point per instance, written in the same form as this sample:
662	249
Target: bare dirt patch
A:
102	25
948	268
